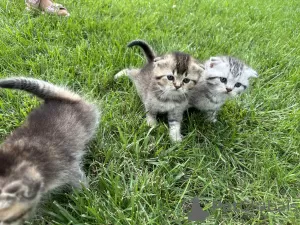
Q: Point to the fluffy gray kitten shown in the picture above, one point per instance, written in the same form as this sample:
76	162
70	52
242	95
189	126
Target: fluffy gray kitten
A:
46	151
224	77
163	85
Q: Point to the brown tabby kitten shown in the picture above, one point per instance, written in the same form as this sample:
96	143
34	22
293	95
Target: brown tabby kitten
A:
46	151
163	85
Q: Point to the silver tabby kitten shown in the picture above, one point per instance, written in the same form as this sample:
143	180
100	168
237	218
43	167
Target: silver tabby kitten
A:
163	85
224	77
46	151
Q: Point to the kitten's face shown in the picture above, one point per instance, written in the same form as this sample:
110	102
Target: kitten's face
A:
227	76
19	194
173	80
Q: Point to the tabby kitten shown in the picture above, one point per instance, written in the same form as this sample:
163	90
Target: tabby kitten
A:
163	85
224	77
46	151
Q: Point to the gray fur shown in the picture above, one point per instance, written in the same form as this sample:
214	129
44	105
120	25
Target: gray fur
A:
211	93
236	66
161	95
148	51
46	151
39	88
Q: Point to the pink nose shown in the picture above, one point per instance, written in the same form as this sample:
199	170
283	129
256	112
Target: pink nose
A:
228	89
177	85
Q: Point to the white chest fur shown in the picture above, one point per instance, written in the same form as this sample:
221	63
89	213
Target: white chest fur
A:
165	106
207	102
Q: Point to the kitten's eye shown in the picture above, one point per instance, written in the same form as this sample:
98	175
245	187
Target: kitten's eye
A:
170	77
223	80
238	84
186	80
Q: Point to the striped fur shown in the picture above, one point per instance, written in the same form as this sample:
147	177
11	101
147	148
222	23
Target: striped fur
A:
163	85
46	151
149	53
40	88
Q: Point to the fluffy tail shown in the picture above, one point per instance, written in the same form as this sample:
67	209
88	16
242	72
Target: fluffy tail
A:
149	53
40	88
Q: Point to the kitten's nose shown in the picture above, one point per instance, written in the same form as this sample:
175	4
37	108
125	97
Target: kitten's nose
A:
177	85
228	89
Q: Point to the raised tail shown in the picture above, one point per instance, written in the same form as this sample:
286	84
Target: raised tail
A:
40	88
149	53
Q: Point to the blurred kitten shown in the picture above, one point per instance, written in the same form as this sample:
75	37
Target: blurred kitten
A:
47	6
46	151
224	77
163	85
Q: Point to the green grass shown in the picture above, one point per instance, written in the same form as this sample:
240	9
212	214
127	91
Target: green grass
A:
137	176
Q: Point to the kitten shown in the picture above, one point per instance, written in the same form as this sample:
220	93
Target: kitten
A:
46	151
224	77
163	85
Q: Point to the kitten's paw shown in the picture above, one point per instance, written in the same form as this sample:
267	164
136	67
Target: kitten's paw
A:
213	120
121	73
212	116
176	138
80	180
151	122
175	134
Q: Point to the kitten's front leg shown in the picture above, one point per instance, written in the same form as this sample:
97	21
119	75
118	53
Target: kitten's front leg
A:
127	72
151	119
174	120
79	179
122	73
212	115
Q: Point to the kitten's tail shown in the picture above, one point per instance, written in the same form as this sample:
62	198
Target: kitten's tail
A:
149	53
40	88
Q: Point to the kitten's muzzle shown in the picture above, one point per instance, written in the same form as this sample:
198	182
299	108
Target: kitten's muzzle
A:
228	90
177	85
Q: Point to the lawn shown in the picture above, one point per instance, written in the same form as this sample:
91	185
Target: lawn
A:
137	176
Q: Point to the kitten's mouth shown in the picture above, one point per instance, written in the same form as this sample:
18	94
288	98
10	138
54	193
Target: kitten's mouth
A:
178	92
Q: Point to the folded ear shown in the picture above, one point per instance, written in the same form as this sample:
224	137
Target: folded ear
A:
216	65
26	189
197	67
32	183
213	62
249	72
9	194
13	188
157	59
27	184
160	62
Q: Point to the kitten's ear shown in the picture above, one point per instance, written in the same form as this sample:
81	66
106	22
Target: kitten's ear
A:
212	62
249	72
160	61
197	67
13	188
32	182
157	59
22	189
27	186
